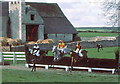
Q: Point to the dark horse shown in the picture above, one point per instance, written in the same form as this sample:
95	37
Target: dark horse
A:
75	57
32	58
36	59
99	46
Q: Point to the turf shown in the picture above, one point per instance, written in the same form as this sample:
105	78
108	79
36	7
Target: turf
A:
42	75
107	53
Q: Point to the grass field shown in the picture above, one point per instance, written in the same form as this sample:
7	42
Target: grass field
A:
22	74
98	29
96	32
42	75
107	53
92	34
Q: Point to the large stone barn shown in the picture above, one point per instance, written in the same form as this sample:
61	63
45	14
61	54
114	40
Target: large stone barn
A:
30	21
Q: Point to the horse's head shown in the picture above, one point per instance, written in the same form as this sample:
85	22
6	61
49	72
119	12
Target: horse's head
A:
84	53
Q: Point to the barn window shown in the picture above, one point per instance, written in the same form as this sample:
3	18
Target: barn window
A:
15	2
32	16
11	2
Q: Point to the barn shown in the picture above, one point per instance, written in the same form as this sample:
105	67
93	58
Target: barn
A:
30	21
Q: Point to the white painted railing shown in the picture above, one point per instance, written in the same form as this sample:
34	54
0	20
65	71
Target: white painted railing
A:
14	56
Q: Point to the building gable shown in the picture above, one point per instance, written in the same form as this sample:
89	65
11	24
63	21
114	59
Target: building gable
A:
54	19
32	16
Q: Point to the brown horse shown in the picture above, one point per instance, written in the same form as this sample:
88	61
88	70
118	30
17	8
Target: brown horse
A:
34	59
75	57
37	59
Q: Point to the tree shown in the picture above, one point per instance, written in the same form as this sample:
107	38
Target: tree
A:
112	12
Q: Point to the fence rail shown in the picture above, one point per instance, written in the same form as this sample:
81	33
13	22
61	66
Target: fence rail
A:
14	56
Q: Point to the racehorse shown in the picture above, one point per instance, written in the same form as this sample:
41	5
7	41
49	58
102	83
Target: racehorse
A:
34	56
75	57
99	46
59	53
38	58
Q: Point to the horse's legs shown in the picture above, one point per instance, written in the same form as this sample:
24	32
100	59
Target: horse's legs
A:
98	49
72	60
102	48
33	68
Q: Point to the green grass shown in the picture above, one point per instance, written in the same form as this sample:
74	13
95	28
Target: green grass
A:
98	29
107	53
92	34
42	75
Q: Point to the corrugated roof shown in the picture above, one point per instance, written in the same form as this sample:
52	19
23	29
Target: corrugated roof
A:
54	19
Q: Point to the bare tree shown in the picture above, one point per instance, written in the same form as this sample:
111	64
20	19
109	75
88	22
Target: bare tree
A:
112	12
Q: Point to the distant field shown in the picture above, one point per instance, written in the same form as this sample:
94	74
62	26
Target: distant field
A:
92	34
99	29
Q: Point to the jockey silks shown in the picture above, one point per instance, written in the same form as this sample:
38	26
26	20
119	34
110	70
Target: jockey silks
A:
61	45
36	50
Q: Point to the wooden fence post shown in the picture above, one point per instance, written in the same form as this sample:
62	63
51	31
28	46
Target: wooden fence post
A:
14	58
1	57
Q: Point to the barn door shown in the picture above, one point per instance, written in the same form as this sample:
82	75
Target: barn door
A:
32	32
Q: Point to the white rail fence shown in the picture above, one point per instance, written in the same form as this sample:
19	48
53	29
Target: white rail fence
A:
13	56
16	56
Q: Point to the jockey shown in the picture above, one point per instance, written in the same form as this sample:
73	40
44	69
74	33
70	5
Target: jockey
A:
61	44
78	49
36	50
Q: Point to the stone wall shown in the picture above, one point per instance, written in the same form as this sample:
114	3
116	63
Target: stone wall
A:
57	37
84	44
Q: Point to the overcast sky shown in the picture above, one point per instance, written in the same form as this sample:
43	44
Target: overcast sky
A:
81	13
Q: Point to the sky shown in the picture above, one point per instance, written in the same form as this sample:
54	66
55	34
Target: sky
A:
81	13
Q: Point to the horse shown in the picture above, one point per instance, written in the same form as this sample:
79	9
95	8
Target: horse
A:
34	56
99	46
35	59
75	57
59	53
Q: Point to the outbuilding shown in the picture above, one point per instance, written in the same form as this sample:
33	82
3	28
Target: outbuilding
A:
30	21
